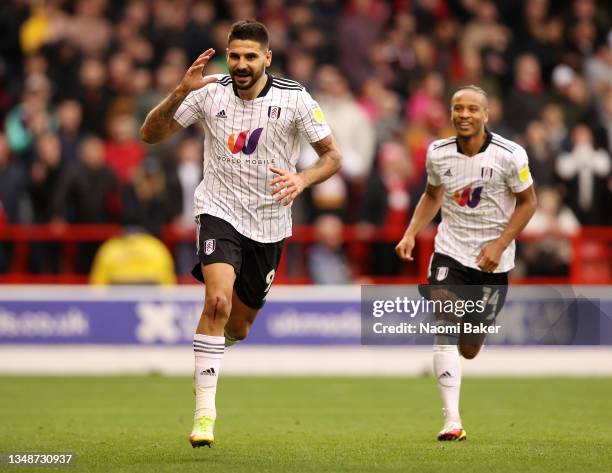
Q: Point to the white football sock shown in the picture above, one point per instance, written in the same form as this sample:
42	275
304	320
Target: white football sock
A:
447	369
208	351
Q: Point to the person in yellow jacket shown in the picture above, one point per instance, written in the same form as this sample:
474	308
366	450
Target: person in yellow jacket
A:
133	258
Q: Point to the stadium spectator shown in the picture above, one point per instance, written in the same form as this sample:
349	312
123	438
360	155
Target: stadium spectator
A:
69	68
555	127
528	94
146	201
553	224
349	123
13	186
13	183
189	170
30	117
133	258
571	94
124	153
93	95
87	190
69	116
541	157
87	193
606	117
386	202
45	173
360	27
327	263
585	172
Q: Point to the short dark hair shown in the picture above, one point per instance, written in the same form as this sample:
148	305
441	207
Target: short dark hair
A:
250	29
473	88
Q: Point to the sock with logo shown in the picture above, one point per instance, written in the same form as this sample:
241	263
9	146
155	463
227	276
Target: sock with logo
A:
229	340
208	351
447	369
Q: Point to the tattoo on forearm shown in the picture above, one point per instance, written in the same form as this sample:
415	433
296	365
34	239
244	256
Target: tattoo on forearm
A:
327	164
160	118
324	146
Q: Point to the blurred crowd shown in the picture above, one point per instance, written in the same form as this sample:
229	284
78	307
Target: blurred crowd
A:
77	78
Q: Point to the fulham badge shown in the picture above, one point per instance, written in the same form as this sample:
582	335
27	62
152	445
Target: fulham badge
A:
209	246
441	273
274	112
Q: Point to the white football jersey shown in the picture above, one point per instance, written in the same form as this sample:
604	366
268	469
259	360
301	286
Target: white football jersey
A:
242	140
478	195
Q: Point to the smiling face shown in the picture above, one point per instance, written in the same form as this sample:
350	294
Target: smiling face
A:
247	61
469	113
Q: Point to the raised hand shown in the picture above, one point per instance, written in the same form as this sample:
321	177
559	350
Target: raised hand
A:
194	78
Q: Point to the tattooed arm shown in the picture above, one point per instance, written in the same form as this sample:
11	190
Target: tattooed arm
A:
292	185
160	122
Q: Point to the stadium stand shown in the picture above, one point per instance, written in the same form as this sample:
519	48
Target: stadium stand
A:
78	77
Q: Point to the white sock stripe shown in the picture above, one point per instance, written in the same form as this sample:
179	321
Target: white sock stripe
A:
211	345
212	352
204	350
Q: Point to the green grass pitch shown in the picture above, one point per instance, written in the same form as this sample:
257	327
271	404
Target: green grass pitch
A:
141	424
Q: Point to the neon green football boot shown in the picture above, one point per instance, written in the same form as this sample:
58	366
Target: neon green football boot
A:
202	433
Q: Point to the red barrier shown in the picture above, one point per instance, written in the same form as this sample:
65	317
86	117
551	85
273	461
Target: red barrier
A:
591	251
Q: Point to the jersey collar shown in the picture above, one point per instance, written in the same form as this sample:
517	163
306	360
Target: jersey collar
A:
263	92
484	146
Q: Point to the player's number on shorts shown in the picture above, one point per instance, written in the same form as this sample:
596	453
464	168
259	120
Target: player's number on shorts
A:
491	298
269	279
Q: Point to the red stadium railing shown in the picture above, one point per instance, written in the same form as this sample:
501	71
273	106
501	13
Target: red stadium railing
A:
590	263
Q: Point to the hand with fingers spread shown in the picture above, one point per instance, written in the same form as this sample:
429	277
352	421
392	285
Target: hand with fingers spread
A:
489	256
404	247
287	185
194	78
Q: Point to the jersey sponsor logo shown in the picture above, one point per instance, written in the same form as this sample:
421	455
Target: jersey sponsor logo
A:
221	114
468	196
448	173
441	273
274	112
524	174
236	145
209	246
486	173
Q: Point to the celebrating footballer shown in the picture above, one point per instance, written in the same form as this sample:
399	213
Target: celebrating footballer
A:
483	185
252	122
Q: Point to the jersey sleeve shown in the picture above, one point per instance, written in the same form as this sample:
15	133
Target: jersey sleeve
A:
310	120
518	176
190	111
433	177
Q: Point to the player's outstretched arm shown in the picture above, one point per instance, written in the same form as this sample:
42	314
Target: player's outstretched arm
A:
160	122
288	185
425	211
490	254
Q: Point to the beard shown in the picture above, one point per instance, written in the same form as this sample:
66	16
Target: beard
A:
243	83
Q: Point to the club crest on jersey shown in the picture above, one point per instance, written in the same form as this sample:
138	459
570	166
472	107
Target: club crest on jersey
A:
486	173
274	112
441	273
468	196
209	246
238	144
